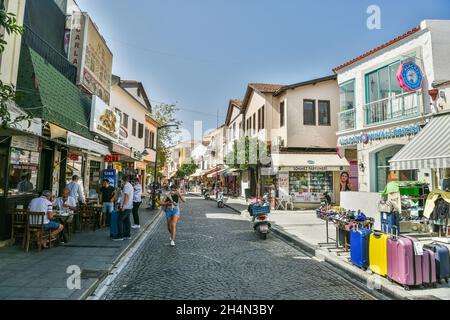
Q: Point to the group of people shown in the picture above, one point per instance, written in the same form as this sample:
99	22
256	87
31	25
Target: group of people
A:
127	201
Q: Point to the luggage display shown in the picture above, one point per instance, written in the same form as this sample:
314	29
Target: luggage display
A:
359	247
114	224
404	265
442	260
378	253
389	221
429	268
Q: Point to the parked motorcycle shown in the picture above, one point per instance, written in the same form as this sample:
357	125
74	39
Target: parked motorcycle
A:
220	200
260	210
206	194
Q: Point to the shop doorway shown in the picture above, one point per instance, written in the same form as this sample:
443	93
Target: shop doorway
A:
47	165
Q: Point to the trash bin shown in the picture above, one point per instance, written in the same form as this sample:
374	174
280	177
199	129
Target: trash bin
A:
247	193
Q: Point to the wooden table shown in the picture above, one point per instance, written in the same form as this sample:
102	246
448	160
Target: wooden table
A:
63	218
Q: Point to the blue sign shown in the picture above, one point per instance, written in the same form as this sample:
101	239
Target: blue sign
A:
410	77
111	175
379	135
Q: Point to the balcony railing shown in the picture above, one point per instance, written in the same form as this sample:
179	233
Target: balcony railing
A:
57	60
347	120
402	106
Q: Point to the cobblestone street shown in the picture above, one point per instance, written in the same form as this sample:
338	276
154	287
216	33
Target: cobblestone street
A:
218	256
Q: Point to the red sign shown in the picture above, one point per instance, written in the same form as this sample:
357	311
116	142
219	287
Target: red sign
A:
112	158
73	157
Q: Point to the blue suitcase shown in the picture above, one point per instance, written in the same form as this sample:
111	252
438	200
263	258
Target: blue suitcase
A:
389	221
442	257
114	224
359	247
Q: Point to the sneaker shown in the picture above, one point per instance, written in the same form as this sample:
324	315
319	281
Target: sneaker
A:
117	239
136	226
172	243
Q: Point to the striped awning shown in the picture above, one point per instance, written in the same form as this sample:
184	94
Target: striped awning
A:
430	149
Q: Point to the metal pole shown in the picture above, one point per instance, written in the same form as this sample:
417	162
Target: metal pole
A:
155	172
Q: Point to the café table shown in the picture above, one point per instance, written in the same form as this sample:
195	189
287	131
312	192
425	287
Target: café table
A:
66	219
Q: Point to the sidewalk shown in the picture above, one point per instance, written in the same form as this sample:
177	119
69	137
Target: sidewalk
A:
305	230
43	275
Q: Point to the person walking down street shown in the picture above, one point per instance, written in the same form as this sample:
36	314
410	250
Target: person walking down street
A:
172	204
77	193
107	198
137	201
125	208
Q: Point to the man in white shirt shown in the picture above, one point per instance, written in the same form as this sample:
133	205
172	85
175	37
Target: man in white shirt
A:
137	201
44	204
76	192
65	202
125	208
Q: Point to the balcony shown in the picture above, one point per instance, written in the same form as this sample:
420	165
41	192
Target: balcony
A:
58	61
347	120
400	107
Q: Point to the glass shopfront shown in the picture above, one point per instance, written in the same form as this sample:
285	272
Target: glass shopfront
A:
309	186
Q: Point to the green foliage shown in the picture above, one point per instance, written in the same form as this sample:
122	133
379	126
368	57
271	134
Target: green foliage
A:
247	153
8	23
186	170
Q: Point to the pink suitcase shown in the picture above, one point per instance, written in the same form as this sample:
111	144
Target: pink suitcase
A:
404	266
429	268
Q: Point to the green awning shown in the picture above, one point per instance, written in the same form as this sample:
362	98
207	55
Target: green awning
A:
49	95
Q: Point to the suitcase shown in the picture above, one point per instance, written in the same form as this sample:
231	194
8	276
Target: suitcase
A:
389	221
114	224
442	259
404	266
429	268
378	253
359	247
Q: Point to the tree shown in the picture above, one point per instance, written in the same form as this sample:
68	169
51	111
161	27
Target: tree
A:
164	114
187	169
249	154
8	94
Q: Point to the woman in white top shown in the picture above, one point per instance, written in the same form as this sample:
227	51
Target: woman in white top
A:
137	201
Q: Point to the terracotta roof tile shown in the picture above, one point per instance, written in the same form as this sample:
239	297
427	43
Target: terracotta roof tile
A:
266	87
384	45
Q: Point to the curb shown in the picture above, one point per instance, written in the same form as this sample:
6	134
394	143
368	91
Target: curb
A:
92	288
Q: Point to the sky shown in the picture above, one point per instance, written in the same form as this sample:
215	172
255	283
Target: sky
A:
201	53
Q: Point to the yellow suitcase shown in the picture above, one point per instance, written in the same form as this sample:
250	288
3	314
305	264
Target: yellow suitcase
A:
378	253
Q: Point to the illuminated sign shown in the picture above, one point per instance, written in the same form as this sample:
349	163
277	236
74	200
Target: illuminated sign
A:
379	135
410	77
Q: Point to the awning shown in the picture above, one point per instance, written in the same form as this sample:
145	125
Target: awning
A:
86	144
430	149
198	173
216	173
310	161
231	172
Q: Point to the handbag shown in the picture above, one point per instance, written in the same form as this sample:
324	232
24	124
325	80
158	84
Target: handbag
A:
385	206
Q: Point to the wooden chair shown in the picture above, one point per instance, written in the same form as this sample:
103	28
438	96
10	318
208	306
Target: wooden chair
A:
19	225
87	217
35	230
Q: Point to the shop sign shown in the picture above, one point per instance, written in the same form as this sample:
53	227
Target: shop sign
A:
73	157
112	158
33	125
311	168
410	76
306	197
25	142
365	138
123	136
86	144
104	120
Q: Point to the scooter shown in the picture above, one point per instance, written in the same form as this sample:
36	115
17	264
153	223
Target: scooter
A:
206	194
220	200
260	212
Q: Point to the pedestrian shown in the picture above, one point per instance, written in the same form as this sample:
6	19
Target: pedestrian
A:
107	198
77	193
125	209
137	201
172	204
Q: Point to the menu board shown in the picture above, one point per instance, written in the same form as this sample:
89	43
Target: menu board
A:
29	143
24	157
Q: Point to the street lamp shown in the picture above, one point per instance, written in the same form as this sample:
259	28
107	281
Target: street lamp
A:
155	173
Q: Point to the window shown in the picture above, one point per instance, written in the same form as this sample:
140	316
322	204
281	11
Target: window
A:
141	131
308	186
259	119
282	114
309	112
125	121
324	113
147	138
152	140
133	128
262	118
234	131
254	123
347	95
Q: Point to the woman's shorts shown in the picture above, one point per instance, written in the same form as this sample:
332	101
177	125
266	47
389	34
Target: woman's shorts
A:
170	213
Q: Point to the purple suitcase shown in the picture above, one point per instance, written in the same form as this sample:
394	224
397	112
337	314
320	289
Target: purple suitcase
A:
429	268
404	266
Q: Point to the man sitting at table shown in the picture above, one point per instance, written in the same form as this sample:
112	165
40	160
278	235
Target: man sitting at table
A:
44	204
65	202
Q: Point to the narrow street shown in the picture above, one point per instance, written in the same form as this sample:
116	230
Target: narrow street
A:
218	256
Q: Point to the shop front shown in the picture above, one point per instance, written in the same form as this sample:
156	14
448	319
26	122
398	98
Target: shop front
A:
305	177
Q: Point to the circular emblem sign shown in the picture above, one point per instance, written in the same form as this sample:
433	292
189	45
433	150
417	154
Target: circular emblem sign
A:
410	77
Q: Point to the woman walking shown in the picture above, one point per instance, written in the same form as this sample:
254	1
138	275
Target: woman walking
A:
173	211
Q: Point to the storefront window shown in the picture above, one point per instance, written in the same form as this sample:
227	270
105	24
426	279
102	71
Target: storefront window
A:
309	186
23	171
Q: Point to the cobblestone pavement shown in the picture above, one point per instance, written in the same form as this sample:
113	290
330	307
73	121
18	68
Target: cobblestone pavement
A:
218	256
